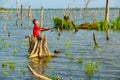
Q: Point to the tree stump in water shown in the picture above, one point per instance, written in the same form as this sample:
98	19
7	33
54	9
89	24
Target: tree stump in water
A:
38	48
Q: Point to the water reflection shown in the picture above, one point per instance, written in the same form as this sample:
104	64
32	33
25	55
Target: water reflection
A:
39	65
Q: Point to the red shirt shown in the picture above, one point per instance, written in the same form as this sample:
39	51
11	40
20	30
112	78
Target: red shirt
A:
36	31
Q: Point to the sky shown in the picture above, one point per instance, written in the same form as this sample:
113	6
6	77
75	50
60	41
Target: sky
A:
58	3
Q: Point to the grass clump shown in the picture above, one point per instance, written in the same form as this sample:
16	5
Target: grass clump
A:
80	60
4	63
15	51
63	24
92	68
115	24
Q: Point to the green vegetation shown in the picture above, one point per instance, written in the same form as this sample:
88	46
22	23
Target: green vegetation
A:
12	65
3	9
64	24
24	42
80	60
4	63
9	63
92	68
15	51
55	77
68	44
5	73
116	23
4	44
102	25
57	21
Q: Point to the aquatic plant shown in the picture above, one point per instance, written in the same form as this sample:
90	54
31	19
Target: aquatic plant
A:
57	22
15	51
12	65
115	24
82	51
92	68
54	77
25	42
4	44
63	24
68	44
67	25
9	63
23	70
5	73
81	79
80	60
102	25
4	62
71	56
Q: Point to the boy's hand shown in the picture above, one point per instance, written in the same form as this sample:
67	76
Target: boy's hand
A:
48	28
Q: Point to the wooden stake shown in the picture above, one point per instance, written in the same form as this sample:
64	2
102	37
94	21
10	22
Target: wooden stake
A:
9	34
95	41
16	12
5	26
17	8
107	35
76	29
29	12
29	15
41	19
21	14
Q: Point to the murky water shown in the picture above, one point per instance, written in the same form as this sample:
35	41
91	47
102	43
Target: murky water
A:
66	66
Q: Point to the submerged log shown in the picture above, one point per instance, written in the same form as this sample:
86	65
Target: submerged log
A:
38	48
38	75
88	25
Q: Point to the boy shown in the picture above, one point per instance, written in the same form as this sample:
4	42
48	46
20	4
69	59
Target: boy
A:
37	29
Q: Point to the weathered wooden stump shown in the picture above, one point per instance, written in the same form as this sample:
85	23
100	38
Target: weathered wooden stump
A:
38	48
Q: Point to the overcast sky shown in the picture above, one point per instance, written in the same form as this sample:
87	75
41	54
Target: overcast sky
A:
58	3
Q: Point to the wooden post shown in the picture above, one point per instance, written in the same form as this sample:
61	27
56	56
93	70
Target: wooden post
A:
29	12
9	34
95	40
29	15
41	17
16	12
5	26
107	35
76	29
107	11
17	8
21	14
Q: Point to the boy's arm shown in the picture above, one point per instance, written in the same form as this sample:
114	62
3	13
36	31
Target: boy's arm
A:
45	29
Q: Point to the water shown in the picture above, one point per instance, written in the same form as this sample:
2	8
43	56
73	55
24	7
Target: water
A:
82	46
